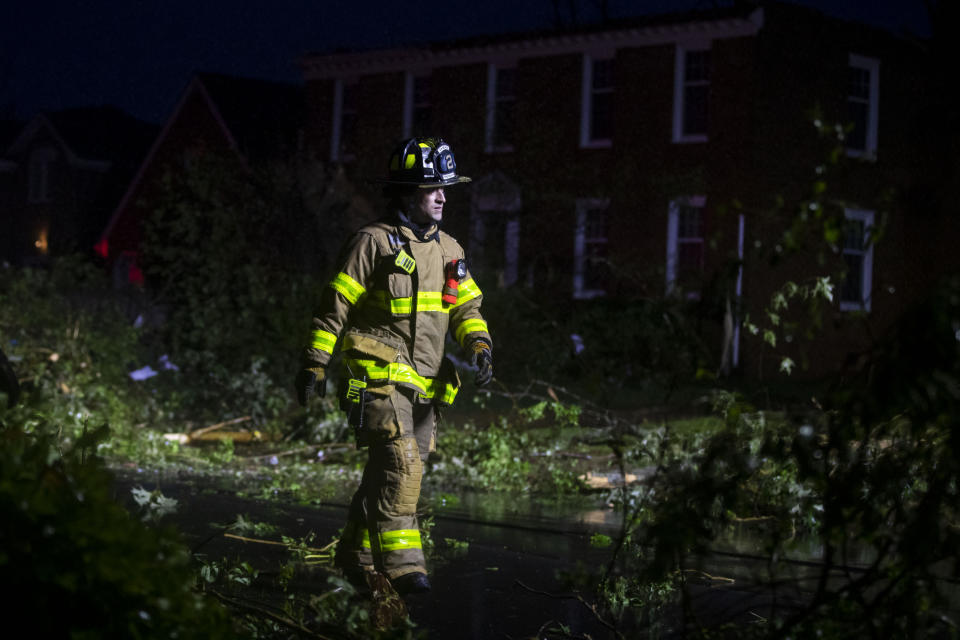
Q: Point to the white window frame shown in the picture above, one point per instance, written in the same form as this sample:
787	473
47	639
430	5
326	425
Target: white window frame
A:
336	130
679	95
580	240
587	140
492	100
673	240
38	177
872	67
867	217
409	84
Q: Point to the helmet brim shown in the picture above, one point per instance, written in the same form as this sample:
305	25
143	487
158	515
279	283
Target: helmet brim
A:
425	185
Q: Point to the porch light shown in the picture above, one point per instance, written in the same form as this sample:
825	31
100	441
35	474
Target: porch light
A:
41	241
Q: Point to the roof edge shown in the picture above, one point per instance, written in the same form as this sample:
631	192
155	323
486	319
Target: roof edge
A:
317	66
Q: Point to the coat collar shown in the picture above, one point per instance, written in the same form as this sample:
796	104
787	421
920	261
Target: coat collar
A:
423	233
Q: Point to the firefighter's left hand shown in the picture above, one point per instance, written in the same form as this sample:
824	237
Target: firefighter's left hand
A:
310	380
482	358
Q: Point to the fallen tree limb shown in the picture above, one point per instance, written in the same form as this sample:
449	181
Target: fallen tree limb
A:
281	619
211	433
313	447
592	608
219	425
279	544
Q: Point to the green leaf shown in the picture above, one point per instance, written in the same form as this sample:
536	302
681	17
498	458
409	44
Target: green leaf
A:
600	541
786	366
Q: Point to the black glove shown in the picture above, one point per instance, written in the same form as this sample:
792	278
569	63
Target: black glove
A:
310	380
482	358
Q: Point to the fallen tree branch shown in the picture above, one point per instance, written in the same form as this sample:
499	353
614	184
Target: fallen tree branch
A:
710	578
331	446
219	425
592	608
284	620
279	544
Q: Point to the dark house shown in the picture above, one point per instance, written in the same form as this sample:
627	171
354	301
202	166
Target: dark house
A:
62	175
216	114
646	158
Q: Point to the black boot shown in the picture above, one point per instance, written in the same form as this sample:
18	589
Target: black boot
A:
410	583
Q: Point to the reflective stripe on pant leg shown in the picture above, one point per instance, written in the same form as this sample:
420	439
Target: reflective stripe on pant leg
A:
396	470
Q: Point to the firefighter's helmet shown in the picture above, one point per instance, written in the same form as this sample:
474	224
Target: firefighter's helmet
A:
423	162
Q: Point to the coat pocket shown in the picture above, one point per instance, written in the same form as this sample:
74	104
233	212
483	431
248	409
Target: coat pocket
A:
400	294
359	345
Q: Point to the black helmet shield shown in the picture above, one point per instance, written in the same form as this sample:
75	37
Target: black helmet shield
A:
423	162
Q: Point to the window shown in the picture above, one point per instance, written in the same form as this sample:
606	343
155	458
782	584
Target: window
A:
501	103
858	260
691	100
495	245
38	188
590	268
685	246
342	140
596	120
494	239
416	107
863	98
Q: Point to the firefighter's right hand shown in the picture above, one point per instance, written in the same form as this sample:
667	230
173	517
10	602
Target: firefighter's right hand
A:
482	359
310	380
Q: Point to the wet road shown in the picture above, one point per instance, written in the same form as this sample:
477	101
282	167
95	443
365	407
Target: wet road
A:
507	582
485	591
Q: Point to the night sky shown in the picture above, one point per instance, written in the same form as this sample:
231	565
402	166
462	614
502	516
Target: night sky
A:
140	54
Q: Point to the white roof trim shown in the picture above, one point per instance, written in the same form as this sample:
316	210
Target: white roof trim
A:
26	137
406	59
40	121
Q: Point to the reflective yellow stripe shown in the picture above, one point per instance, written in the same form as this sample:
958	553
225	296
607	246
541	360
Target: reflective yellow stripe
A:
400	539
467	291
350	288
397	372
449	394
365	540
324	340
470	326
426	301
394	372
431	301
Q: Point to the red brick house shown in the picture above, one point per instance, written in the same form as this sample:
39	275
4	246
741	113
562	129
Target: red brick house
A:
216	114
647	157
61	175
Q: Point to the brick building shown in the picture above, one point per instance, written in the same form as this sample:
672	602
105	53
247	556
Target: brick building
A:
647	158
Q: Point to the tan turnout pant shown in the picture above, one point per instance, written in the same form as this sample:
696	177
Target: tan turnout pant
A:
382	530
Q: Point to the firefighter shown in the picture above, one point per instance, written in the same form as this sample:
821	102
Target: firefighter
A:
402	285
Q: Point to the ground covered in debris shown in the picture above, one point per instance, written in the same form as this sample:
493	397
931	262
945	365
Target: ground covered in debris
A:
519	577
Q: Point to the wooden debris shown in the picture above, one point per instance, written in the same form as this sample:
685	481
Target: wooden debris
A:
213	433
614	479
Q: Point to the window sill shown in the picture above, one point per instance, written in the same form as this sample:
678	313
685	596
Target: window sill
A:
691	139
589	294
597	144
865	155
854	306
